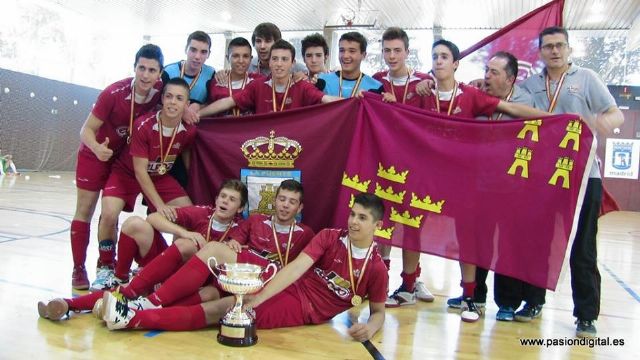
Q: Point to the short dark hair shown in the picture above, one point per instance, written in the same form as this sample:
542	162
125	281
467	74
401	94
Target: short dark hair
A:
550	31
267	31
455	52
150	51
512	63
291	185
239	186
372	203
315	40
355	37
199	36
239	41
176	81
283	45
394	33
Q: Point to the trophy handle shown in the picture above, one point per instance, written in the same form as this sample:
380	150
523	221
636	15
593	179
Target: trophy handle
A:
275	270
215	266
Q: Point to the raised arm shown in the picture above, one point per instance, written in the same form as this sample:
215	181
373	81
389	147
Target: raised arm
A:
520	110
217	107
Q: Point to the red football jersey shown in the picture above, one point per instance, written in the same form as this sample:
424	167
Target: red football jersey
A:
468	103
258	96
145	143
399	85
327	285
196	218
113	107
257	233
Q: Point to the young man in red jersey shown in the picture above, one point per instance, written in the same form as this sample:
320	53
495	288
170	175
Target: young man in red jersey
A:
194	227
399	84
278	93
260	240
335	272
103	135
239	56
157	140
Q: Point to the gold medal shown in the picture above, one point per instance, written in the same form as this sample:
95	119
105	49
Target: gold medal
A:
129	139
356	300
162	169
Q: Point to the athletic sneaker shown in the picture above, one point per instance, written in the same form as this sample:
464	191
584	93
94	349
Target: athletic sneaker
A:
55	309
113	282
98	309
117	313
505	313
585	329
422	293
142	303
528	313
469	311
400	297
136	271
79	278
103	278
456	303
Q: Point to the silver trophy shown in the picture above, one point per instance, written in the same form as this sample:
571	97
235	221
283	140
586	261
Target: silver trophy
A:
237	327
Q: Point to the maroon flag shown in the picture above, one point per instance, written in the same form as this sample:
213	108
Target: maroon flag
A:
503	195
520	38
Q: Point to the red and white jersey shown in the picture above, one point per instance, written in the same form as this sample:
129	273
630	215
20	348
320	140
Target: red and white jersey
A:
397	86
196	218
145	143
257	233
258	96
327	285
469	103
113	107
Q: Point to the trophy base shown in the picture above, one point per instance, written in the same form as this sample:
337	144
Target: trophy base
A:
237	335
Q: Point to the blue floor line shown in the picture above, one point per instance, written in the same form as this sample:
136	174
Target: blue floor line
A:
620	282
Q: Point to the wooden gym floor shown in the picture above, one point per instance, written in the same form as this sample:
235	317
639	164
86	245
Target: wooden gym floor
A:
35	264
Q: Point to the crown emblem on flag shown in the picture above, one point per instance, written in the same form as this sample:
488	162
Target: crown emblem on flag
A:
574	126
271	152
392	175
388	194
426	204
355	183
385	233
564	163
405	218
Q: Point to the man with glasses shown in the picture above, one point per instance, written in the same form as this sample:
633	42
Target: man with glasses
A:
566	88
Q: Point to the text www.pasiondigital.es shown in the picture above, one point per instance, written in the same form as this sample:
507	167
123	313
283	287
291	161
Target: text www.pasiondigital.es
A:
590	342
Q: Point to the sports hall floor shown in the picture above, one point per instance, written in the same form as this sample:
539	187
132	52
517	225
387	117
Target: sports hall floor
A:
35	264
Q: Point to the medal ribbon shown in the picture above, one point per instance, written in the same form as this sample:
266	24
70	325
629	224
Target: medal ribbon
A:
273	95
355	88
164	157
354	285
507	99
223	235
453	97
195	79
547	83
275	238
406	87
236	110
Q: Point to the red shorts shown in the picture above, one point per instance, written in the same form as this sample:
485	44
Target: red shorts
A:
91	173
157	247
282	310
125	186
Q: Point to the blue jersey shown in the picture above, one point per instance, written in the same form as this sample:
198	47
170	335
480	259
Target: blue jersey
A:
329	83
199	90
